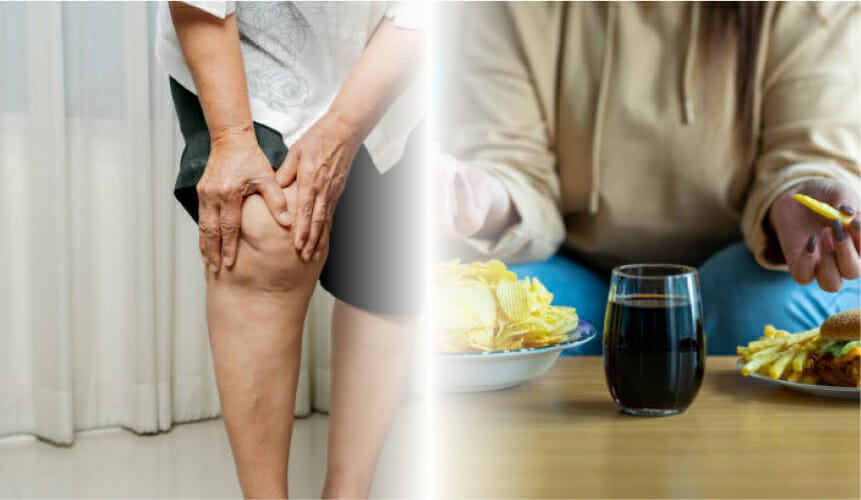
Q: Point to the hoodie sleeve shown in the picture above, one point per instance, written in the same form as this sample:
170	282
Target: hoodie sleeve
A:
501	126
811	111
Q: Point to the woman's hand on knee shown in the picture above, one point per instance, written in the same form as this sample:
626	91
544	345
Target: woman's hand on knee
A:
318	163
236	168
266	258
813	246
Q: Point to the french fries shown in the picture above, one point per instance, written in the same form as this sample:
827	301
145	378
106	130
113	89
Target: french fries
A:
823	209
781	355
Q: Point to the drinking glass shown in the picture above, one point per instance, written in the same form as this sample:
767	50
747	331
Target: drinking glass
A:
654	344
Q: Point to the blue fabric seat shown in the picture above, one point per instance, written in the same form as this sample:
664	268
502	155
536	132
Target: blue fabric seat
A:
739	297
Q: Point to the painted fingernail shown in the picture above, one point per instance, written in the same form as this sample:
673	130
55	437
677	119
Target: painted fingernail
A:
811	244
838	231
846	209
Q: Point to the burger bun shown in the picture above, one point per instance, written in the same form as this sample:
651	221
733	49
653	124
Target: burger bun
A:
844	326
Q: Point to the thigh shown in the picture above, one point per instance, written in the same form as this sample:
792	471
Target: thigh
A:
740	298
574	285
377	244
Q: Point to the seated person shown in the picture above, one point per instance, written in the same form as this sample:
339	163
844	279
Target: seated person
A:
592	135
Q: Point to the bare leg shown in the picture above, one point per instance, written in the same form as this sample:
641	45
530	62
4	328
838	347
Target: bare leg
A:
255	313
370	363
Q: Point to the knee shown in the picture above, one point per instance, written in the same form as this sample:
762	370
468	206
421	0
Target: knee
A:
740	297
731	273
266	258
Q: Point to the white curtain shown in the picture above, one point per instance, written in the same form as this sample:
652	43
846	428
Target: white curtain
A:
101	293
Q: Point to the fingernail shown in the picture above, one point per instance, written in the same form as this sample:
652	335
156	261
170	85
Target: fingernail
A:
856	224
226	261
317	256
838	231
284	217
811	244
846	209
212	267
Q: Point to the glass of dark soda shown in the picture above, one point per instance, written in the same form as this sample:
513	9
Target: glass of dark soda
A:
654	344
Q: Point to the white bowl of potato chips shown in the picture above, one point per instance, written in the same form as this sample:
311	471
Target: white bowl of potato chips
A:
492	370
493	330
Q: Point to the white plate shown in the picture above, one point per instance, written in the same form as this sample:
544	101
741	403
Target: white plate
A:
489	371
823	391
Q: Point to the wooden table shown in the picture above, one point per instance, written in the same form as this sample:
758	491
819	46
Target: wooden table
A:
562	436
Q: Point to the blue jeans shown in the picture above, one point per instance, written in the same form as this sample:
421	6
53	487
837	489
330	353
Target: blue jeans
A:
739	297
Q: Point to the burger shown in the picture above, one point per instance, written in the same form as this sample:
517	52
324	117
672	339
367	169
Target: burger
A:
836	362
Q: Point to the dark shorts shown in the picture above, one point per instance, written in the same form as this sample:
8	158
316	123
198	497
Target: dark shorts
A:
376	245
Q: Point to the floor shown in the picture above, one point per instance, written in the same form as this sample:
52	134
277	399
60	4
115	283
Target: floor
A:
191	461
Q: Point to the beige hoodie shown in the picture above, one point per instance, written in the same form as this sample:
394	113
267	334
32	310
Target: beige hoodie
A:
615	137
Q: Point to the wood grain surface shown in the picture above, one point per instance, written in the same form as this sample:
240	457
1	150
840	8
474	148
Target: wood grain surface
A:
562	436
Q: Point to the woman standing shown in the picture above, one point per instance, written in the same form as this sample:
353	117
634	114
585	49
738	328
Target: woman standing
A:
284	107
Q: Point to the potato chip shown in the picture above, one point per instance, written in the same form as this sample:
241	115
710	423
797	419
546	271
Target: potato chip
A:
513	297
482	306
465	307
481	339
509	337
539	297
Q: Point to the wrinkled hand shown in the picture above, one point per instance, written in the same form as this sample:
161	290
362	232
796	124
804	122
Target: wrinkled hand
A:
470	201
815	247
319	163
236	168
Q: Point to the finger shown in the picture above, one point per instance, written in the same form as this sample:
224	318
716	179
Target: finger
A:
827	273
326	234
324	240
467	219
275	201
201	243
855	232
854	226
447	200
803	267
201	236
304	210
318	219
287	173
230	216
209	233
845	254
